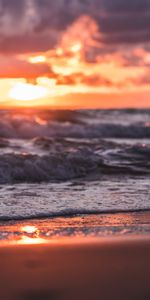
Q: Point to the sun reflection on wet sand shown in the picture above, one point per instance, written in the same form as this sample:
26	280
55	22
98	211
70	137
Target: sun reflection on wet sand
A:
29	229
74	228
30	235
25	240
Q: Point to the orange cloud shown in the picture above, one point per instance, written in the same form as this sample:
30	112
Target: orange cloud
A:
12	67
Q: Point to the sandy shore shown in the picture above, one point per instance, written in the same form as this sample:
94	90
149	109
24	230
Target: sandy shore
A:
105	268
83	257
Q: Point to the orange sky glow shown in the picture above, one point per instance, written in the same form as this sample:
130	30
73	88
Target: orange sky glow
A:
76	74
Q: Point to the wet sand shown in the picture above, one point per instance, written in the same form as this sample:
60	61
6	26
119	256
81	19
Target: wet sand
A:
85	226
107	269
111	265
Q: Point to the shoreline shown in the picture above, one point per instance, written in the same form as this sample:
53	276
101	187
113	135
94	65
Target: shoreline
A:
82	257
79	226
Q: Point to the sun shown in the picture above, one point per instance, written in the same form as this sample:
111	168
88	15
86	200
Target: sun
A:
27	92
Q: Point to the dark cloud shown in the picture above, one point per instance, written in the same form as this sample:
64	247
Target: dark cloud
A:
126	6
14	8
23	43
12	13
123	24
119	21
35	25
131	38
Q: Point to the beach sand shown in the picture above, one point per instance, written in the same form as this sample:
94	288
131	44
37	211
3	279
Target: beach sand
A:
83	266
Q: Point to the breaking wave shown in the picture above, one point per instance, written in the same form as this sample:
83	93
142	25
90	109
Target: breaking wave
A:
64	160
40	145
75	124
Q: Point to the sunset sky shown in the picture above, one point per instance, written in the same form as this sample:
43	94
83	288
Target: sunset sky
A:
75	53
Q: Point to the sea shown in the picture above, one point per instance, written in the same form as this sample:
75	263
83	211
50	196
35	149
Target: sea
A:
63	163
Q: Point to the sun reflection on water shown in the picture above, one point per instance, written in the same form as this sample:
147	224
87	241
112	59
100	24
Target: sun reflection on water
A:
29	229
30	235
60	230
25	240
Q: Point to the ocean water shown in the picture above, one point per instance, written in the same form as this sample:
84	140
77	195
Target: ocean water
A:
63	163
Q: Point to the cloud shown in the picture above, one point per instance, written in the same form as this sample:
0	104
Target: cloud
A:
40	23
128	6
12	67
23	43
80	78
117	19
12	13
15	8
144	79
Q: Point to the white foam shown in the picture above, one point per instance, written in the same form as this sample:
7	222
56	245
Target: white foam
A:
45	200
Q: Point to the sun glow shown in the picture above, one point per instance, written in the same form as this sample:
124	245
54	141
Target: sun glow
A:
76	48
27	92
37	59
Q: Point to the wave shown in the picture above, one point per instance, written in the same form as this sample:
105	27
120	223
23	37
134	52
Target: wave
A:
69	159
75	124
28	130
